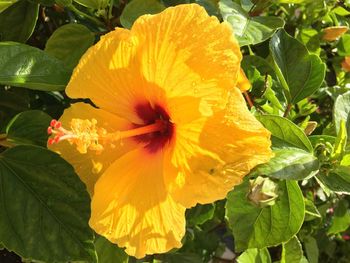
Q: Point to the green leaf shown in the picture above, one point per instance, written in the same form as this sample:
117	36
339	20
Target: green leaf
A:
255	255
12	101
29	127
248	30
311	249
137	8
181	257
29	67
286	131
341	112
200	214
255	227
311	211
292	251
6	3
69	42
340	143
108	252
298	81
94	4
290	164
338	179
316	139
44	207
343	46
18	21
341	218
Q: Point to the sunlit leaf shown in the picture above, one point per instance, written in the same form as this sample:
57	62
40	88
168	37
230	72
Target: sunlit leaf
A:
255	255
248	30
255	227
299	81
29	67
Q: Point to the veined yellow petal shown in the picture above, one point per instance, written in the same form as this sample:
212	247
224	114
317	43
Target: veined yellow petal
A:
188	53
90	166
212	155
132	207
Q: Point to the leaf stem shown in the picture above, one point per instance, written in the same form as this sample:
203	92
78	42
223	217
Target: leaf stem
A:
80	13
289	107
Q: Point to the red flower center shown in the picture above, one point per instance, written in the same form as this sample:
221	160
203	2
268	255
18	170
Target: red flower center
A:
154	114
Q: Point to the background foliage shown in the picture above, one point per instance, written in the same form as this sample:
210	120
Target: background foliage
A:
294	209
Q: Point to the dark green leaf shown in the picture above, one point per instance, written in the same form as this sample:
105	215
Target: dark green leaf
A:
181	257
44	207
290	164
311	249
94	4
299	81
12	101
69	42
29	127
254	255
108	252
136	8
18	21
200	214
255	227
316	139
341	218
286	131
248	30
6	3
292	251
29	67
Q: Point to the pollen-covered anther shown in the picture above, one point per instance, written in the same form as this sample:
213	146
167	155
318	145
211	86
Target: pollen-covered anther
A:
83	133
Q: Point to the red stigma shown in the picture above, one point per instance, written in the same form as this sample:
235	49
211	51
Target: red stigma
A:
53	123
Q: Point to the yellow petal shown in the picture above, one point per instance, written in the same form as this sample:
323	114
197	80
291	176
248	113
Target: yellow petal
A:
131	206
90	166
212	155
334	32
109	75
188	53
243	83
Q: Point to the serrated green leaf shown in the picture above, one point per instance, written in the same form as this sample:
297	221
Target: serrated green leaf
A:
292	251
248	30
286	131
255	227
69	42
29	67
29	127
108	252
341	112
44	207
301	81
18	21
255	255
137	8
290	164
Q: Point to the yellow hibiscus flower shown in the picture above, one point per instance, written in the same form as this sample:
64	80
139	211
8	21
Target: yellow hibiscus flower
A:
170	131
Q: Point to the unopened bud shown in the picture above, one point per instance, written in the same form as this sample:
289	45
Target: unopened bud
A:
263	192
